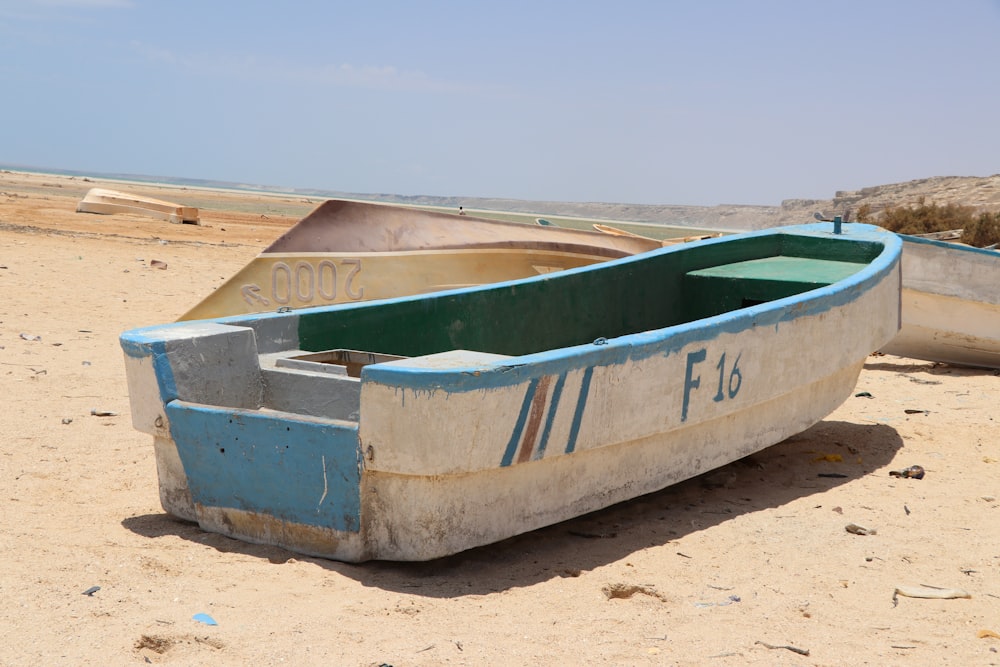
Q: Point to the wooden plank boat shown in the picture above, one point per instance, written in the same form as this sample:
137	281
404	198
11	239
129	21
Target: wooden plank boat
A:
416	427
950	304
107	202
348	251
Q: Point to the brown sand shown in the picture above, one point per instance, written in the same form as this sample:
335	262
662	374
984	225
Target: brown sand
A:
709	572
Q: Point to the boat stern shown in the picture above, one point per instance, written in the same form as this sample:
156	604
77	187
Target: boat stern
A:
163	363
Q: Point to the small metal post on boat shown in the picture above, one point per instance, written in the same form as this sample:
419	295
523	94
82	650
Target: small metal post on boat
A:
837	220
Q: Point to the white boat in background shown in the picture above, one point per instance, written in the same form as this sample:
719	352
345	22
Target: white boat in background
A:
108	202
950	304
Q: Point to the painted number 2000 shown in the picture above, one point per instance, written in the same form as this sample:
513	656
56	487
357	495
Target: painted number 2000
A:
730	378
305	281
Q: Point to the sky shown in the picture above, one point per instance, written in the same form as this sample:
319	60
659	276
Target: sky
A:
694	102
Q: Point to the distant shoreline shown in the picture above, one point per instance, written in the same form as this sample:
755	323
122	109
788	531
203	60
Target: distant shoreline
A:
691	218
159	181
981	192
118	181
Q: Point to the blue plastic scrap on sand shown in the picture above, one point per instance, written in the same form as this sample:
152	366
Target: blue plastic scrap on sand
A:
204	618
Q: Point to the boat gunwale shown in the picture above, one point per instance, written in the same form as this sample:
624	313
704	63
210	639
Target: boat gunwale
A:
874	269
475	230
620	349
924	279
546	248
986	252
640	345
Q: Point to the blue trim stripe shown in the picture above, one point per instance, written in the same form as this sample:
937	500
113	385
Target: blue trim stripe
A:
556	394
522	418
164	372
137	345
581	404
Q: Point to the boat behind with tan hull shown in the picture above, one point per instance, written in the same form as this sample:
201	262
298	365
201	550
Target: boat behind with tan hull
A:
349	251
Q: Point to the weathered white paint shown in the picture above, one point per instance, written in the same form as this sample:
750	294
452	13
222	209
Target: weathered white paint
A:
627	402
427	502
411	517
193	352
175	497
950	304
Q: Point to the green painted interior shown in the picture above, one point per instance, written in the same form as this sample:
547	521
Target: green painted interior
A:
788	269
579	307
729	286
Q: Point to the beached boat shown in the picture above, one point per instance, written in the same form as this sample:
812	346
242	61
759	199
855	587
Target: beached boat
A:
348	251
618	231
107	202
950	304
416	427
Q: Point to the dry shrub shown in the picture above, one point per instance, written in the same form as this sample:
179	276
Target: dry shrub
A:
983	231
920	219
979	231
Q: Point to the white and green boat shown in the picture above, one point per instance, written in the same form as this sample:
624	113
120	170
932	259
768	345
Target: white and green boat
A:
416	427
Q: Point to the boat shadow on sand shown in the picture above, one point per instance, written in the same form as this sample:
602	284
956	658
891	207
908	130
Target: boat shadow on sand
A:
911	367
801	466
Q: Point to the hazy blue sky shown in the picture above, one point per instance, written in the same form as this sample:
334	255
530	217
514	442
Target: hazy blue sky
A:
660	101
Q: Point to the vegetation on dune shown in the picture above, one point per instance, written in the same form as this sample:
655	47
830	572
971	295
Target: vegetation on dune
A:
984	230
979	230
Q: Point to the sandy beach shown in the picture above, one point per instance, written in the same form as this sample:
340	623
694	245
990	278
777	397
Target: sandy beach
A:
751	564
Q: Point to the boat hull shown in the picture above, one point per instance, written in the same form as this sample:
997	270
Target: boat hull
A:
439	452
304	280
950	304
349	251
109	202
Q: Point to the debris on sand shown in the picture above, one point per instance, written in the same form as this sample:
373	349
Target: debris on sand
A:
855	529
913	472
928	593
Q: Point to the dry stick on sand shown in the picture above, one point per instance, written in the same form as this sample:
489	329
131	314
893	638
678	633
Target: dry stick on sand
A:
928	592
793	649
